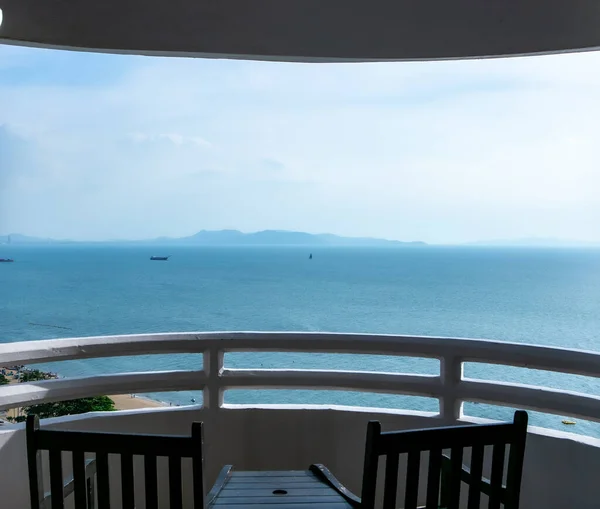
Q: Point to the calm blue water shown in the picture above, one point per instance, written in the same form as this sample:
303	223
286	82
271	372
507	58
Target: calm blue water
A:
538	296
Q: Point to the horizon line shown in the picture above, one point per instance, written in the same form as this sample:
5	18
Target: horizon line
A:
517	242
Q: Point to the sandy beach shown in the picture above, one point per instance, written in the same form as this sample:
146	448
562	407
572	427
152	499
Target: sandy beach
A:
127	402
122	401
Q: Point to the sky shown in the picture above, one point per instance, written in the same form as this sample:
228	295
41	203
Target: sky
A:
96	147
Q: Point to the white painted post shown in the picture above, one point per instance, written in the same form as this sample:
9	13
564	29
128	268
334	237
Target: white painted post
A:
213	367
451	372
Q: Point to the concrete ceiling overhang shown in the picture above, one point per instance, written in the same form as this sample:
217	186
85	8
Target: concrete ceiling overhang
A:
306	30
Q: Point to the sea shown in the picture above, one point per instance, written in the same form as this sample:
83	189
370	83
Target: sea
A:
528	295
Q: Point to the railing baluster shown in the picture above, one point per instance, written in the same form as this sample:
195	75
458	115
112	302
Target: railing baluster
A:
213	366
451	371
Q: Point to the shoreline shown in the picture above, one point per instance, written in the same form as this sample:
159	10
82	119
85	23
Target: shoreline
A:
121	401
133	402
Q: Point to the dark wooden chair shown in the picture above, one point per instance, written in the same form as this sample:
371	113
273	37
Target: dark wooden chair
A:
90	480
445	473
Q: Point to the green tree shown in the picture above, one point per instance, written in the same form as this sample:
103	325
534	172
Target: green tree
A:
33	375
71	407
59	408
3	380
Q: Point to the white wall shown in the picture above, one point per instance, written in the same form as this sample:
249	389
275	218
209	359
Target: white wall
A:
560	469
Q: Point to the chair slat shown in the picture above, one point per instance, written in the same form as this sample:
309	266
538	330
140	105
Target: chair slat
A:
91	492
369	484
477	456
103	482
456	463
515	461
79	480
391	481
56	479
445	472
91	479
433	479
127	486
411	494
34	462
175	495
198	464
150	482
496	476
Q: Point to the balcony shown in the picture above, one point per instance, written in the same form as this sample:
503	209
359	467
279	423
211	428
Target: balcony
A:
560	467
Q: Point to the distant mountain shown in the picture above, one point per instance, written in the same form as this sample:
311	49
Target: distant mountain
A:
292	238
534	242
17	238
278	238
237	238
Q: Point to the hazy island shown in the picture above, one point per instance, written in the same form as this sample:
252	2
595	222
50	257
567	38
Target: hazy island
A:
293	238
231	238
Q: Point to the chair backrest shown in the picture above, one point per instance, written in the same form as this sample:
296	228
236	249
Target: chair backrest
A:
99	445
445	473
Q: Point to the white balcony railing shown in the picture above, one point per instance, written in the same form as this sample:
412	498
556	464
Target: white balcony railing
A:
450	386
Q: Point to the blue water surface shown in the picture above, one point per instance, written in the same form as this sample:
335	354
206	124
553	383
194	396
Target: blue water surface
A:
540	296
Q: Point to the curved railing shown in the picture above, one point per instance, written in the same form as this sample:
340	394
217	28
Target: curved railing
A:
450	386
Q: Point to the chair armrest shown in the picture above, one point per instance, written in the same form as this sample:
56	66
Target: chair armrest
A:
485	485
325	475
221	481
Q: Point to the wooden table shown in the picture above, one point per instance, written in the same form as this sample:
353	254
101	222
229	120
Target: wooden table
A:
288	489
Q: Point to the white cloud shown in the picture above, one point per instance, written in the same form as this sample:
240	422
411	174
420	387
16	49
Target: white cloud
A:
175	138
446	151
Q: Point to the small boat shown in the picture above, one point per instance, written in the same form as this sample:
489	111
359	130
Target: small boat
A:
161	258
569	423
6	260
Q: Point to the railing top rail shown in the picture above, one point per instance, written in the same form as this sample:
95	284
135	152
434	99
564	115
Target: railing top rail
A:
449	386
459	349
